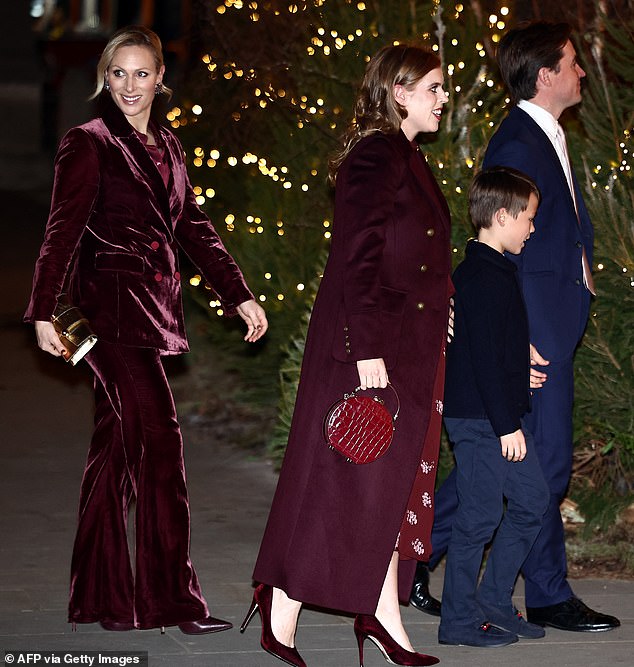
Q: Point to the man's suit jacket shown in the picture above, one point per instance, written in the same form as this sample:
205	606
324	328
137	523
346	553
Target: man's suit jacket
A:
550	268
112	236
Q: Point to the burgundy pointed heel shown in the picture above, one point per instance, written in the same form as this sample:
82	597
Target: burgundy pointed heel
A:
368	627
262	601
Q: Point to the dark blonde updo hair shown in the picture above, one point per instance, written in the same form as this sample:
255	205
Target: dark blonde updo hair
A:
376	109
134	35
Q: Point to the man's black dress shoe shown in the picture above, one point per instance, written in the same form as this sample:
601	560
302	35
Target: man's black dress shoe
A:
420	596
205	625
572	615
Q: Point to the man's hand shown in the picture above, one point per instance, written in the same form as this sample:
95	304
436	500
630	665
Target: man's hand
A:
537	378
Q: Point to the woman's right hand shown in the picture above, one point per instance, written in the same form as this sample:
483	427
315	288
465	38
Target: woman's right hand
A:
372	374
48	340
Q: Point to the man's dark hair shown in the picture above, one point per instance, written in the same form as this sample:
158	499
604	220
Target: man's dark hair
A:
524	50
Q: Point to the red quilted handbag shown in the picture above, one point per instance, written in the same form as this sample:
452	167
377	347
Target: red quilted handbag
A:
359	427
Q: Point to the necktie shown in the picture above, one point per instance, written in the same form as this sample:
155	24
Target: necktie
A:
562	152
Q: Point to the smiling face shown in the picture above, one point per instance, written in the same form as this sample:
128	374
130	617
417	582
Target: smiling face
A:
515	231
132	77
423	104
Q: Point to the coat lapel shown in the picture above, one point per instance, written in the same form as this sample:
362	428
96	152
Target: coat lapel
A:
425	179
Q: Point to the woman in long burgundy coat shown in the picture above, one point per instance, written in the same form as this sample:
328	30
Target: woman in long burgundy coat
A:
122	204
339	535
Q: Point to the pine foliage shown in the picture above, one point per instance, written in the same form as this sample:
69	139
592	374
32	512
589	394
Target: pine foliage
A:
605	362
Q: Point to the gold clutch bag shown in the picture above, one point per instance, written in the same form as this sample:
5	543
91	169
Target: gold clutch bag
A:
73	330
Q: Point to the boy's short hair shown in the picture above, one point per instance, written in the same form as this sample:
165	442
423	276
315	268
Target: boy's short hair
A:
496	188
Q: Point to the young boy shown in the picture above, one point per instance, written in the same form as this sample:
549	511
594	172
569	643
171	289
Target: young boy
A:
486	395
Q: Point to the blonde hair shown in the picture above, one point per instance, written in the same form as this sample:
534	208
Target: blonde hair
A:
376	109
134	35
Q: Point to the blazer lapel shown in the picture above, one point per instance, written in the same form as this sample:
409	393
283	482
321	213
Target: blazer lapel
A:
141	164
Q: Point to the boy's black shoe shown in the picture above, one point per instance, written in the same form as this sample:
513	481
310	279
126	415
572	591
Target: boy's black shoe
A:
511	619
481	636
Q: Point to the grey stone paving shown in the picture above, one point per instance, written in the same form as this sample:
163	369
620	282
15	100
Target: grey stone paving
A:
45	414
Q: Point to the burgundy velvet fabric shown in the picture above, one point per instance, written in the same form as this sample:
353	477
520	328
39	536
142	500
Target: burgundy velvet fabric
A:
333	526
113	233
136	452
111	240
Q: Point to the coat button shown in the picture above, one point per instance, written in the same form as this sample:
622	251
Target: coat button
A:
420	305
578	244
158	277
430	232
177	275
345	328
423	268
155	245
577	281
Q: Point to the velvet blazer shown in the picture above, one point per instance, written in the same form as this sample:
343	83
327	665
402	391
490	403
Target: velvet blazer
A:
113	232
549	267
333	526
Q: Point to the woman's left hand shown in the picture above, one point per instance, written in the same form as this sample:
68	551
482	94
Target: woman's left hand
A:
255	317
372	374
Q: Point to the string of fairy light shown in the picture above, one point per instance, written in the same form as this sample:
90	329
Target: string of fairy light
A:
324	42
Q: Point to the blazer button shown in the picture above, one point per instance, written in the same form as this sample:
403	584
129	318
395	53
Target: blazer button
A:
423	267
158	277
430	232
177	275
420	305
155	245
578	281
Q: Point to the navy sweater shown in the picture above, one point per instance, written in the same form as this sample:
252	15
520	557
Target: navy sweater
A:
488	361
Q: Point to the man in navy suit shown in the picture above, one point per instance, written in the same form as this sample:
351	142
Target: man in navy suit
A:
539	66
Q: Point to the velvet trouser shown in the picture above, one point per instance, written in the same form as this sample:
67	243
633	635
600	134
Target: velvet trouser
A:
135	458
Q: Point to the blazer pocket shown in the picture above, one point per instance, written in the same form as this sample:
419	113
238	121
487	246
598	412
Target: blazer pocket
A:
119	261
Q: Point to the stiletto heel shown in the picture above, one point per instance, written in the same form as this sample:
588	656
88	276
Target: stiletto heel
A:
249	616
162	629
368	627
262	602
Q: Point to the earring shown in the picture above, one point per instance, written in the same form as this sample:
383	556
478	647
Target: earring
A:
158	89
106	86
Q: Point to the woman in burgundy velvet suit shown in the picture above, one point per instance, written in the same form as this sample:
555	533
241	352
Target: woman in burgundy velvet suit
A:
122	204
343	536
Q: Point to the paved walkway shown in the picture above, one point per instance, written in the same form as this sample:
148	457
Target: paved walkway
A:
45	414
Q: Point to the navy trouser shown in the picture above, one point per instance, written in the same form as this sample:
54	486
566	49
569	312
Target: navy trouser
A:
550	423
136	453
484	478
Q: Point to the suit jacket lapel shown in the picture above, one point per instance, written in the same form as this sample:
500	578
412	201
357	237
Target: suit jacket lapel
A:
545	145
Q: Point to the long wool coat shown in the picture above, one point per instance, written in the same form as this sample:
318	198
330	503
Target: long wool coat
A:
113	233
333	525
